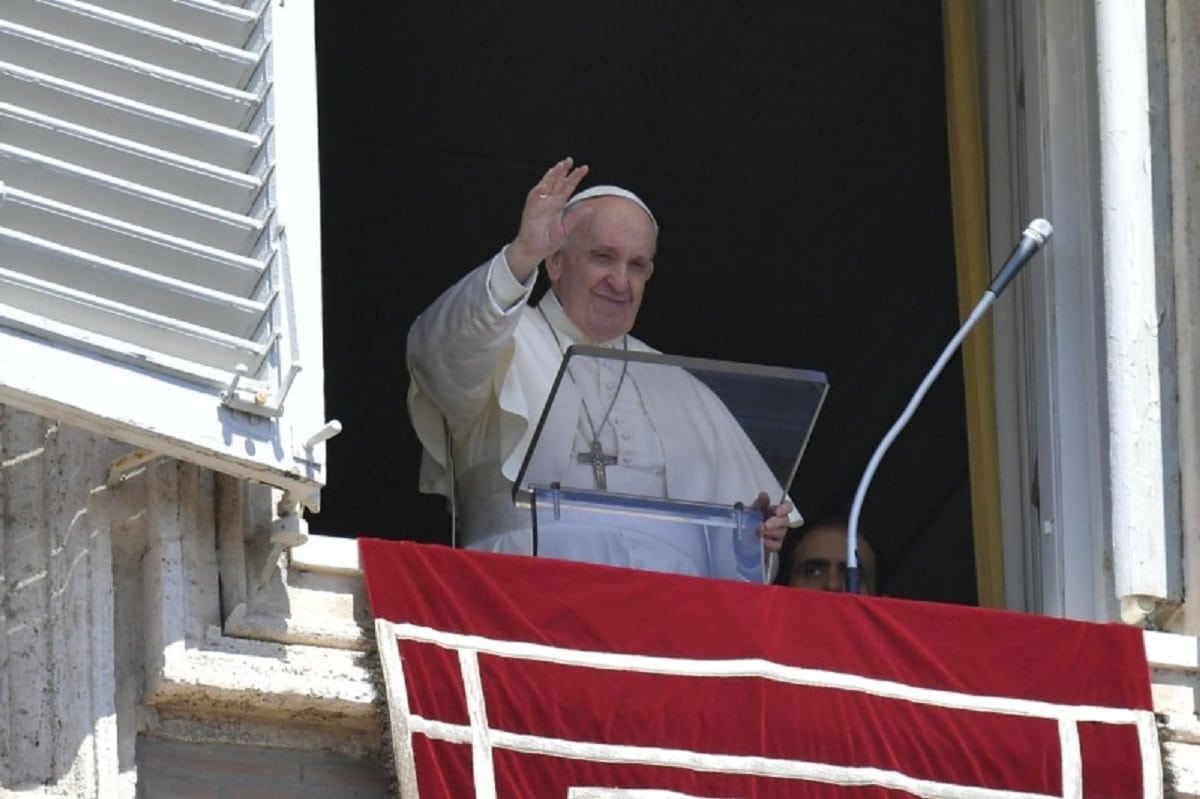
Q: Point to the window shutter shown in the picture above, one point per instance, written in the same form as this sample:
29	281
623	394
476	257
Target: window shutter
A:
159	228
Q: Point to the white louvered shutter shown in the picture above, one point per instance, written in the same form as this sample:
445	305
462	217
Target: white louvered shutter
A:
159	228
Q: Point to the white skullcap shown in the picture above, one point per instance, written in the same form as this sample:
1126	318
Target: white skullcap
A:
610	191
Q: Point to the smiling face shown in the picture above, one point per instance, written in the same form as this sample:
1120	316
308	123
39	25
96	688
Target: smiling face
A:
600	273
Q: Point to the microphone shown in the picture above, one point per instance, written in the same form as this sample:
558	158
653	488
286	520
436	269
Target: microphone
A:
1036	235
1033	239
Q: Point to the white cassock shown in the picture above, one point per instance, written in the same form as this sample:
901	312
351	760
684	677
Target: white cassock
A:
481	365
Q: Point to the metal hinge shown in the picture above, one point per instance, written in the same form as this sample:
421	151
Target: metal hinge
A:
257	401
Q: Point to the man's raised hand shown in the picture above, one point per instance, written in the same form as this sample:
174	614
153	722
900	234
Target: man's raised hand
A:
543	228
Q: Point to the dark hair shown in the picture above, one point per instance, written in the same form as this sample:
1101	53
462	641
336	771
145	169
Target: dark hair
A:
793	537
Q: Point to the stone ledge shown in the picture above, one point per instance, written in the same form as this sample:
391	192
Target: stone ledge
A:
328	554
1174	661
1172	651
323	601
244	678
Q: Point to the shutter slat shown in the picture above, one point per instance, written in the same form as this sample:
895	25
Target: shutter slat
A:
188	136
111	238
122	158
125	200
47	308
222	22
127	77
136	38
131	287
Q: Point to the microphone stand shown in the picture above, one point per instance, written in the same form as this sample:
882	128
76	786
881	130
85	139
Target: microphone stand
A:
1035	235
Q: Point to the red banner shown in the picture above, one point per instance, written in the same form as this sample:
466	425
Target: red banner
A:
515	677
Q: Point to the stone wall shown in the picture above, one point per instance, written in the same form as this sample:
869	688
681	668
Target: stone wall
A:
180	770
59	717
146	615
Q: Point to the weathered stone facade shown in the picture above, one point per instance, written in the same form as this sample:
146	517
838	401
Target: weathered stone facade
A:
145	618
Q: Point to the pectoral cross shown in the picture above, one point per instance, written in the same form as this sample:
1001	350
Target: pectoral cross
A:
599	460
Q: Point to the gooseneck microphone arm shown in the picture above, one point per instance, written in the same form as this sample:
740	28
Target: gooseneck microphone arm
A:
1035	236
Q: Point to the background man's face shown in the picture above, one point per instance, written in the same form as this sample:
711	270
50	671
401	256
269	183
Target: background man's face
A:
819	561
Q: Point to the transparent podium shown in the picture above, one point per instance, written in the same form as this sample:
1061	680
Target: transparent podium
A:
665	462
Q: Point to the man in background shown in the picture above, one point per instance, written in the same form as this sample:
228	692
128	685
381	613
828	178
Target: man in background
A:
814	556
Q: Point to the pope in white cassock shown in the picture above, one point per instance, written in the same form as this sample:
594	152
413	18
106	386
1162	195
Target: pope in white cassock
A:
482	362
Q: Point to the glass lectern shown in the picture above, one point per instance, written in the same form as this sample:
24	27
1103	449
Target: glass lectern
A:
664	462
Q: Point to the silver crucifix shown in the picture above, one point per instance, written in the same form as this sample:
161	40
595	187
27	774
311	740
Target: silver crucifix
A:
599	460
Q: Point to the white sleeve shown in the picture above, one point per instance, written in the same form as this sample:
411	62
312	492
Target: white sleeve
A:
505	291
458	342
